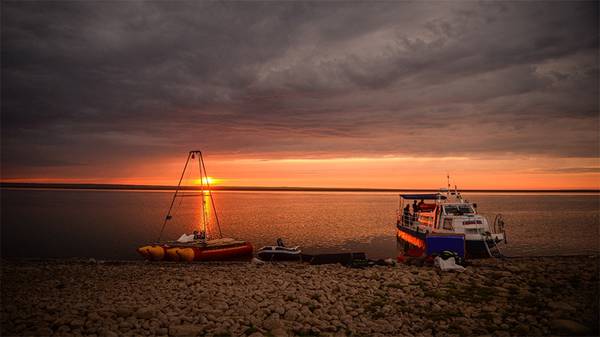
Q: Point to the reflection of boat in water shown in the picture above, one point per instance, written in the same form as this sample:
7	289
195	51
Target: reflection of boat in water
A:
436	214
196	247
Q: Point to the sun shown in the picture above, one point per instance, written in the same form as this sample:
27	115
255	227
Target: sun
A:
206	181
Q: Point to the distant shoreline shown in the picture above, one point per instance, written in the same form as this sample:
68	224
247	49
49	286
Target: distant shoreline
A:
266	189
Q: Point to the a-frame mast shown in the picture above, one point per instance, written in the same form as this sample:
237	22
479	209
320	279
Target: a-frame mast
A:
203	179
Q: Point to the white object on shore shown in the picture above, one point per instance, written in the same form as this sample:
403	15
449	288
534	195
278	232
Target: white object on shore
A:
186	238
449	264
257	261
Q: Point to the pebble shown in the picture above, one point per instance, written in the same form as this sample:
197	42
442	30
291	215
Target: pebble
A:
109	333
256	334
561	306
185	330
500	298
569	328
145	313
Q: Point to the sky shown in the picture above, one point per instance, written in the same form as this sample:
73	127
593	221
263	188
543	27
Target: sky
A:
330	94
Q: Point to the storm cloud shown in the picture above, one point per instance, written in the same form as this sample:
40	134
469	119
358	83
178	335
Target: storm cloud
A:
89	82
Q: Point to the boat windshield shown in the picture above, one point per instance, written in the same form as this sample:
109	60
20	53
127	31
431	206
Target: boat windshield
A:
458	209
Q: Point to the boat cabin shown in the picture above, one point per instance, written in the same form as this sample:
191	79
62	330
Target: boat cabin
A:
434	212
422	208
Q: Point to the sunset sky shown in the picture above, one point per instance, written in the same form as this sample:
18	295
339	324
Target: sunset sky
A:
330	94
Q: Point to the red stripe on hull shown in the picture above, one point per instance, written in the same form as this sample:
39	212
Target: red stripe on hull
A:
225	253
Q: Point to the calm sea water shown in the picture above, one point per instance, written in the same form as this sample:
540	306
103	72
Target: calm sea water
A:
111	224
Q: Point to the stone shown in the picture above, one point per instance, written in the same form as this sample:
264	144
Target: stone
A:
124	312
489	308
501	333
279	332
280	310
45	331
109	333
405	281
93	316
561	306
145	313
185	330
220	331
125	325
569	327
291	315
77	323
303	299
272	323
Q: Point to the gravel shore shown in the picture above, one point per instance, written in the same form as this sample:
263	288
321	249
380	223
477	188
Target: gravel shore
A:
512	297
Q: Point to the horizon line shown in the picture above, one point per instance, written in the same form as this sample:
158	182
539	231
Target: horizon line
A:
100	186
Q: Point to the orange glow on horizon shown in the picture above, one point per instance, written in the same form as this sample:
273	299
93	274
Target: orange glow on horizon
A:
502	173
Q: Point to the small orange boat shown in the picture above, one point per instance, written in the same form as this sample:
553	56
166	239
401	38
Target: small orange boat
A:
211	250
196	247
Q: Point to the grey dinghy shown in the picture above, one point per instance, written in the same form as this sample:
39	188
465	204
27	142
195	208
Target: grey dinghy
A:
280	253
277	253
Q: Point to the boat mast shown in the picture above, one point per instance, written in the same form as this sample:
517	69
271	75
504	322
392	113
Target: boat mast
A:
203	180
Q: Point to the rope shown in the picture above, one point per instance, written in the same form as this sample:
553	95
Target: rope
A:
174	197
212	202
202	203
178	206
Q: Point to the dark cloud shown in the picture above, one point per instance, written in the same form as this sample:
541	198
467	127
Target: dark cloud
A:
99	80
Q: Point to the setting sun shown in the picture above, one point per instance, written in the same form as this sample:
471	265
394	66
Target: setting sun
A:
206	181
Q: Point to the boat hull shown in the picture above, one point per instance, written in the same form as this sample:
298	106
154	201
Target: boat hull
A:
274	256
474	248
194	252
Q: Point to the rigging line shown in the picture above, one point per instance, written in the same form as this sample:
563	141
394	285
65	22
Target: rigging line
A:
174	197
202	203
183	194
212	202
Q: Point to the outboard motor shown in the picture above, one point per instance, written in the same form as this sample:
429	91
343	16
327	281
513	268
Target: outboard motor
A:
280	243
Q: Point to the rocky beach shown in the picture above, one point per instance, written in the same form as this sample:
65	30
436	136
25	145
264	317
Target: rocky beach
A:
510	297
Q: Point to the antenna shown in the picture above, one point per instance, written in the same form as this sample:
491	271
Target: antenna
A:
448	189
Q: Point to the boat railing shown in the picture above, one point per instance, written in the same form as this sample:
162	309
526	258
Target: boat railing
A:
408	220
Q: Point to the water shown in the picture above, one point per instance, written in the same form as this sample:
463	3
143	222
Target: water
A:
111	224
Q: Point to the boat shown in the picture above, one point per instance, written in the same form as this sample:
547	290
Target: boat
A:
448	214
202	245
280	252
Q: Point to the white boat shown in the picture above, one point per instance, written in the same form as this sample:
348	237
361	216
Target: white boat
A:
280	253
448	213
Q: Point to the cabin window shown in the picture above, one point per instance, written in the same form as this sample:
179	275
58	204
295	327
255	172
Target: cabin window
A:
448	224
458	209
